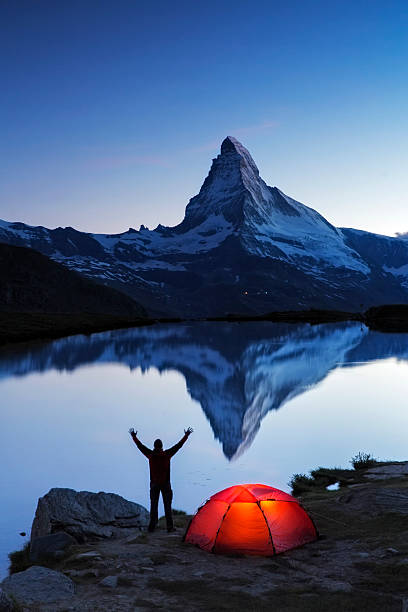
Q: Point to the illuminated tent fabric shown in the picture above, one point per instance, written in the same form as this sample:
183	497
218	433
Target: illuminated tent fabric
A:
251	519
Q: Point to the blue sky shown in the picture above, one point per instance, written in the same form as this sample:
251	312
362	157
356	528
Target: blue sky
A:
111	111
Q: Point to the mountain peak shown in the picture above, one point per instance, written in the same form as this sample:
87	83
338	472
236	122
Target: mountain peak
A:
233	177
232	145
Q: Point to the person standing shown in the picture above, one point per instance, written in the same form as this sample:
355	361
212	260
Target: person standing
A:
159	463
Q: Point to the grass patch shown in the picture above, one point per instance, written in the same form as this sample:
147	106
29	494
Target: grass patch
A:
180	520
299	483
20	559
363	461
320	478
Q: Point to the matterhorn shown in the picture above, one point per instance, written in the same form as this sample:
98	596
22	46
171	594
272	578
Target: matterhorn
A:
243	247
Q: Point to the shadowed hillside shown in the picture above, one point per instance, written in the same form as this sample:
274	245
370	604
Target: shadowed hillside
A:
31	282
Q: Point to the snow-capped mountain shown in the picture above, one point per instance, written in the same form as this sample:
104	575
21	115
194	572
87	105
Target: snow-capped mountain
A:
242	247
237	376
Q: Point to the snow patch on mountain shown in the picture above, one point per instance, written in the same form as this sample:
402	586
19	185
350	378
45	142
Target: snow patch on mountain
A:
153	243
401	273
23	231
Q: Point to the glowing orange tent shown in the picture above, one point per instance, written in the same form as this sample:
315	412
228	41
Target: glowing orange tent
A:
252	519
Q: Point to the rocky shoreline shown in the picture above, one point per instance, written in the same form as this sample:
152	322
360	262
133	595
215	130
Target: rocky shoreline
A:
107	560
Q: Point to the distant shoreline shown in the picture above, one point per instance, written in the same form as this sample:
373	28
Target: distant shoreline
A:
24	327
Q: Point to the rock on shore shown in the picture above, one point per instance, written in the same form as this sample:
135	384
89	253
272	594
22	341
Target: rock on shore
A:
87	516
39	585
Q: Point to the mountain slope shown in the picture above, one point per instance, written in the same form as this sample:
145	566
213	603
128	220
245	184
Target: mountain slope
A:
242	247
31	282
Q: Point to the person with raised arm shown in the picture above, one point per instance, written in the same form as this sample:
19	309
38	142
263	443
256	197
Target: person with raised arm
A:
159	462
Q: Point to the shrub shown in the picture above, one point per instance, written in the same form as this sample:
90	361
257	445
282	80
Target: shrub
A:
363	460
20	559
300	483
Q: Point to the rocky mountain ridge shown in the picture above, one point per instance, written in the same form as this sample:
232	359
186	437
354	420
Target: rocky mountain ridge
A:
242	247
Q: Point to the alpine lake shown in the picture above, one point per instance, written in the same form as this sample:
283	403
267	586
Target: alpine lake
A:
265	401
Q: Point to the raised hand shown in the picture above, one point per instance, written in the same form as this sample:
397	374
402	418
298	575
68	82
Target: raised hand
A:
188	431
132	431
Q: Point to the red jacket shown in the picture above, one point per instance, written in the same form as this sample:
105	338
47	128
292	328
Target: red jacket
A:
159	460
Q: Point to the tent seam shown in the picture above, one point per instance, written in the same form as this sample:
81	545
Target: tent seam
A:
218	530
267	524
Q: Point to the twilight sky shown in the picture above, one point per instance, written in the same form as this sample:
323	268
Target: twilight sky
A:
111	111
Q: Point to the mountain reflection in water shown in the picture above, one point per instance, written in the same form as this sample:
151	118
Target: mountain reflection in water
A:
238	372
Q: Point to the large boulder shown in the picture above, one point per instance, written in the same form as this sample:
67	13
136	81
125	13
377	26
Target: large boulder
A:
52	546
87	516
373	500
383	472
38	585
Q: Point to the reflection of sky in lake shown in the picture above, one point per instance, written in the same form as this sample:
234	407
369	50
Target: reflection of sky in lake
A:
66	408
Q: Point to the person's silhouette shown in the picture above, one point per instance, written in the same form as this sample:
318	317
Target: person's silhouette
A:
159	462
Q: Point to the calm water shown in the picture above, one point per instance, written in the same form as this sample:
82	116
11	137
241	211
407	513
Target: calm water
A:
265	401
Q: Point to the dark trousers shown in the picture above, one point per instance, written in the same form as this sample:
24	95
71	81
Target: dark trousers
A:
167	495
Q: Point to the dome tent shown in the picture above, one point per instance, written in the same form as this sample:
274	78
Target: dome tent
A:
252	519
